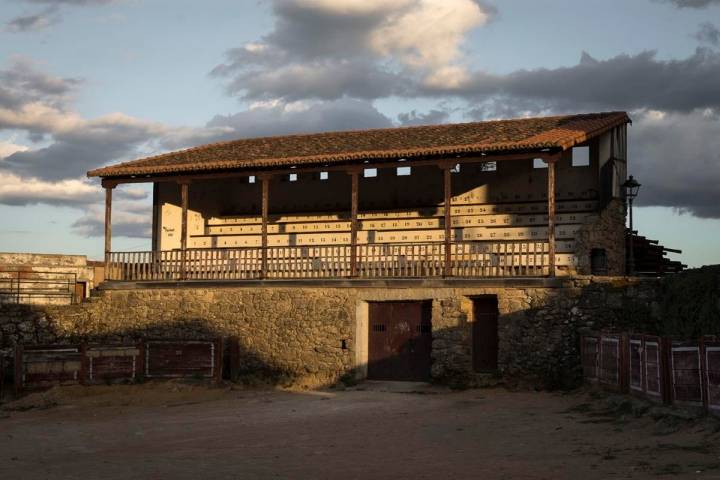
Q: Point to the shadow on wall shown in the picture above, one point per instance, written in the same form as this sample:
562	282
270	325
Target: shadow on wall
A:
538	330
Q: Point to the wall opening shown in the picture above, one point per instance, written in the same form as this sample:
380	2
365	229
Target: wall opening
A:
598	261
485	333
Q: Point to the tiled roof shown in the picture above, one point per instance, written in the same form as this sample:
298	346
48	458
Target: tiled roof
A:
517	135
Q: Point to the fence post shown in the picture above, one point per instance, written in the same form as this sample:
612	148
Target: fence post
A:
624	374
704	386
666	359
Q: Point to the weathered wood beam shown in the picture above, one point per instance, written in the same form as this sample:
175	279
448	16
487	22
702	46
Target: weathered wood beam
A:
184	193
265	203
108	225
354	199
450	161
551	161
447	192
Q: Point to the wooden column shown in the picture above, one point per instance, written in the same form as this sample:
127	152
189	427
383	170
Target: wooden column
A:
108	224
551	212
447	190
183	228
354	196
265	193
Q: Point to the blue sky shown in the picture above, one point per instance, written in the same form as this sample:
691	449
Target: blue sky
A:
89	82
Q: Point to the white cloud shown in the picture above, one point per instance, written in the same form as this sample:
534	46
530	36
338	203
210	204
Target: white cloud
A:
355	7
15	190
363	49
429	34
131	220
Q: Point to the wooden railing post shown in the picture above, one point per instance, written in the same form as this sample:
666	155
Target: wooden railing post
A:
354	198
184	187
108	221
551	161
447	193
265	193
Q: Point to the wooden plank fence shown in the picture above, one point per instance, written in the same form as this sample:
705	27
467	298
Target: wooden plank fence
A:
44	366
467	259
661	369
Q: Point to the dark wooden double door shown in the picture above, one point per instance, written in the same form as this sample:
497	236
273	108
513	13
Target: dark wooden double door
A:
399	341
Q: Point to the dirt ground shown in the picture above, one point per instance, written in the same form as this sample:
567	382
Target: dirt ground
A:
186	431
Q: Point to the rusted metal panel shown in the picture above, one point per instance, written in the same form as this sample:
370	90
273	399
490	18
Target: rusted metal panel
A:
609	372
112	363
686	374
183	359
485	333
399	341
47	365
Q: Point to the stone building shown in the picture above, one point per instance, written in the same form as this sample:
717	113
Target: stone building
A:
405	253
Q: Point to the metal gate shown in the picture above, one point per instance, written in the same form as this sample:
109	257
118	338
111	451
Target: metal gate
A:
686	377
113	363
183	358
47	365
653	367
399	341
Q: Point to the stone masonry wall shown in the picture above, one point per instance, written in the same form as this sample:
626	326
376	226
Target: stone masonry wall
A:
296	334
606	231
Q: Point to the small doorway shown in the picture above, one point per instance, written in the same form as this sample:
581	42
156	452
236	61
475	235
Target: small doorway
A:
485	333
399	340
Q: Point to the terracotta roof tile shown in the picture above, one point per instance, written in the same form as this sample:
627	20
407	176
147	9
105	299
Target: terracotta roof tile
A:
525	134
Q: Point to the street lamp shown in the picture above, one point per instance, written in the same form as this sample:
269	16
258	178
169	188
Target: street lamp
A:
631	187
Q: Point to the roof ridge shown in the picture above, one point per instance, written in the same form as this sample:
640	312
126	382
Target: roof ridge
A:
183	156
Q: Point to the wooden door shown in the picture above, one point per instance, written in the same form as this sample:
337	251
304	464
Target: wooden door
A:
399	341
485	334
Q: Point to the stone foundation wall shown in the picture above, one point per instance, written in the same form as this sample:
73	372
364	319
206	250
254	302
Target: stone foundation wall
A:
296	334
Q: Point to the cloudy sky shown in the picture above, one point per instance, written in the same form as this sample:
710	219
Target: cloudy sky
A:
90	82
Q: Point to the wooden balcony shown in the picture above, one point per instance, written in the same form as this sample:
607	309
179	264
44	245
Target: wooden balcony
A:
416	260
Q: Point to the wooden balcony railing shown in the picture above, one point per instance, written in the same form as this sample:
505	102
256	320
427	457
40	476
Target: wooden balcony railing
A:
416	260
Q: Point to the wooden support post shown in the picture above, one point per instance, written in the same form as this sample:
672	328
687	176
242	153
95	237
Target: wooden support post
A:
551	212
265	191
447	190
183	229
108	225
354	175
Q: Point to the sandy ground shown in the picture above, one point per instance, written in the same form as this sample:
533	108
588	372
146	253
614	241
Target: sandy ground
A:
181	431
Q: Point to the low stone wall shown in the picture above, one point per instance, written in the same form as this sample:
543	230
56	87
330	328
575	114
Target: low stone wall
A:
54	271
313	334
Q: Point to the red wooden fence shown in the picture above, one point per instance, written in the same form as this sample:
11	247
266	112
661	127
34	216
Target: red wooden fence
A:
657	368
38	367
